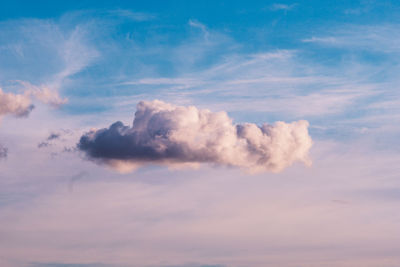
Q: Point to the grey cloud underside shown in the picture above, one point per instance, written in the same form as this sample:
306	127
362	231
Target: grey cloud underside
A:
120	142
168	134
46	143
3	152
53	136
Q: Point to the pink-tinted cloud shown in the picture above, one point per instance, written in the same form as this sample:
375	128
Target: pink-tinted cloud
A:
163	133
16	104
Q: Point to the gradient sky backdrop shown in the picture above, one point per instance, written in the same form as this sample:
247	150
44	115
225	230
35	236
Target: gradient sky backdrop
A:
335	64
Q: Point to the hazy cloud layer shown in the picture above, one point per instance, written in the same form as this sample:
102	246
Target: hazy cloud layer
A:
168	134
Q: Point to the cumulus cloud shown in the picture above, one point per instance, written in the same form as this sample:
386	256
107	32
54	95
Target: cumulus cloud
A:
163	133
16	104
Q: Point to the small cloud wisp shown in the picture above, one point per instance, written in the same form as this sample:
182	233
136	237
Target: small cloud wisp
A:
44	94
172	135
20	105
3	152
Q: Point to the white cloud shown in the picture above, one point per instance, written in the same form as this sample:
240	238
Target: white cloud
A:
20	105
44	94
166	134
16	104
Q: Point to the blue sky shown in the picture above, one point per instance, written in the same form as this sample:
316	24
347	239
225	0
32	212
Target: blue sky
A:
87	65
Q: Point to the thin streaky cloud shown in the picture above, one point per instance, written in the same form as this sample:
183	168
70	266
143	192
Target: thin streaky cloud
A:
285	7
128	14
200	26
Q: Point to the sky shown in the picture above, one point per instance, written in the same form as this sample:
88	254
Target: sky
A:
199	133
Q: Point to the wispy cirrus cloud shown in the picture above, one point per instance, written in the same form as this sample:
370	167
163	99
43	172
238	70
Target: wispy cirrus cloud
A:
48	53
38	58
207	68
131	15
285	7
279	82
276	76
372	55
374	38
202	27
